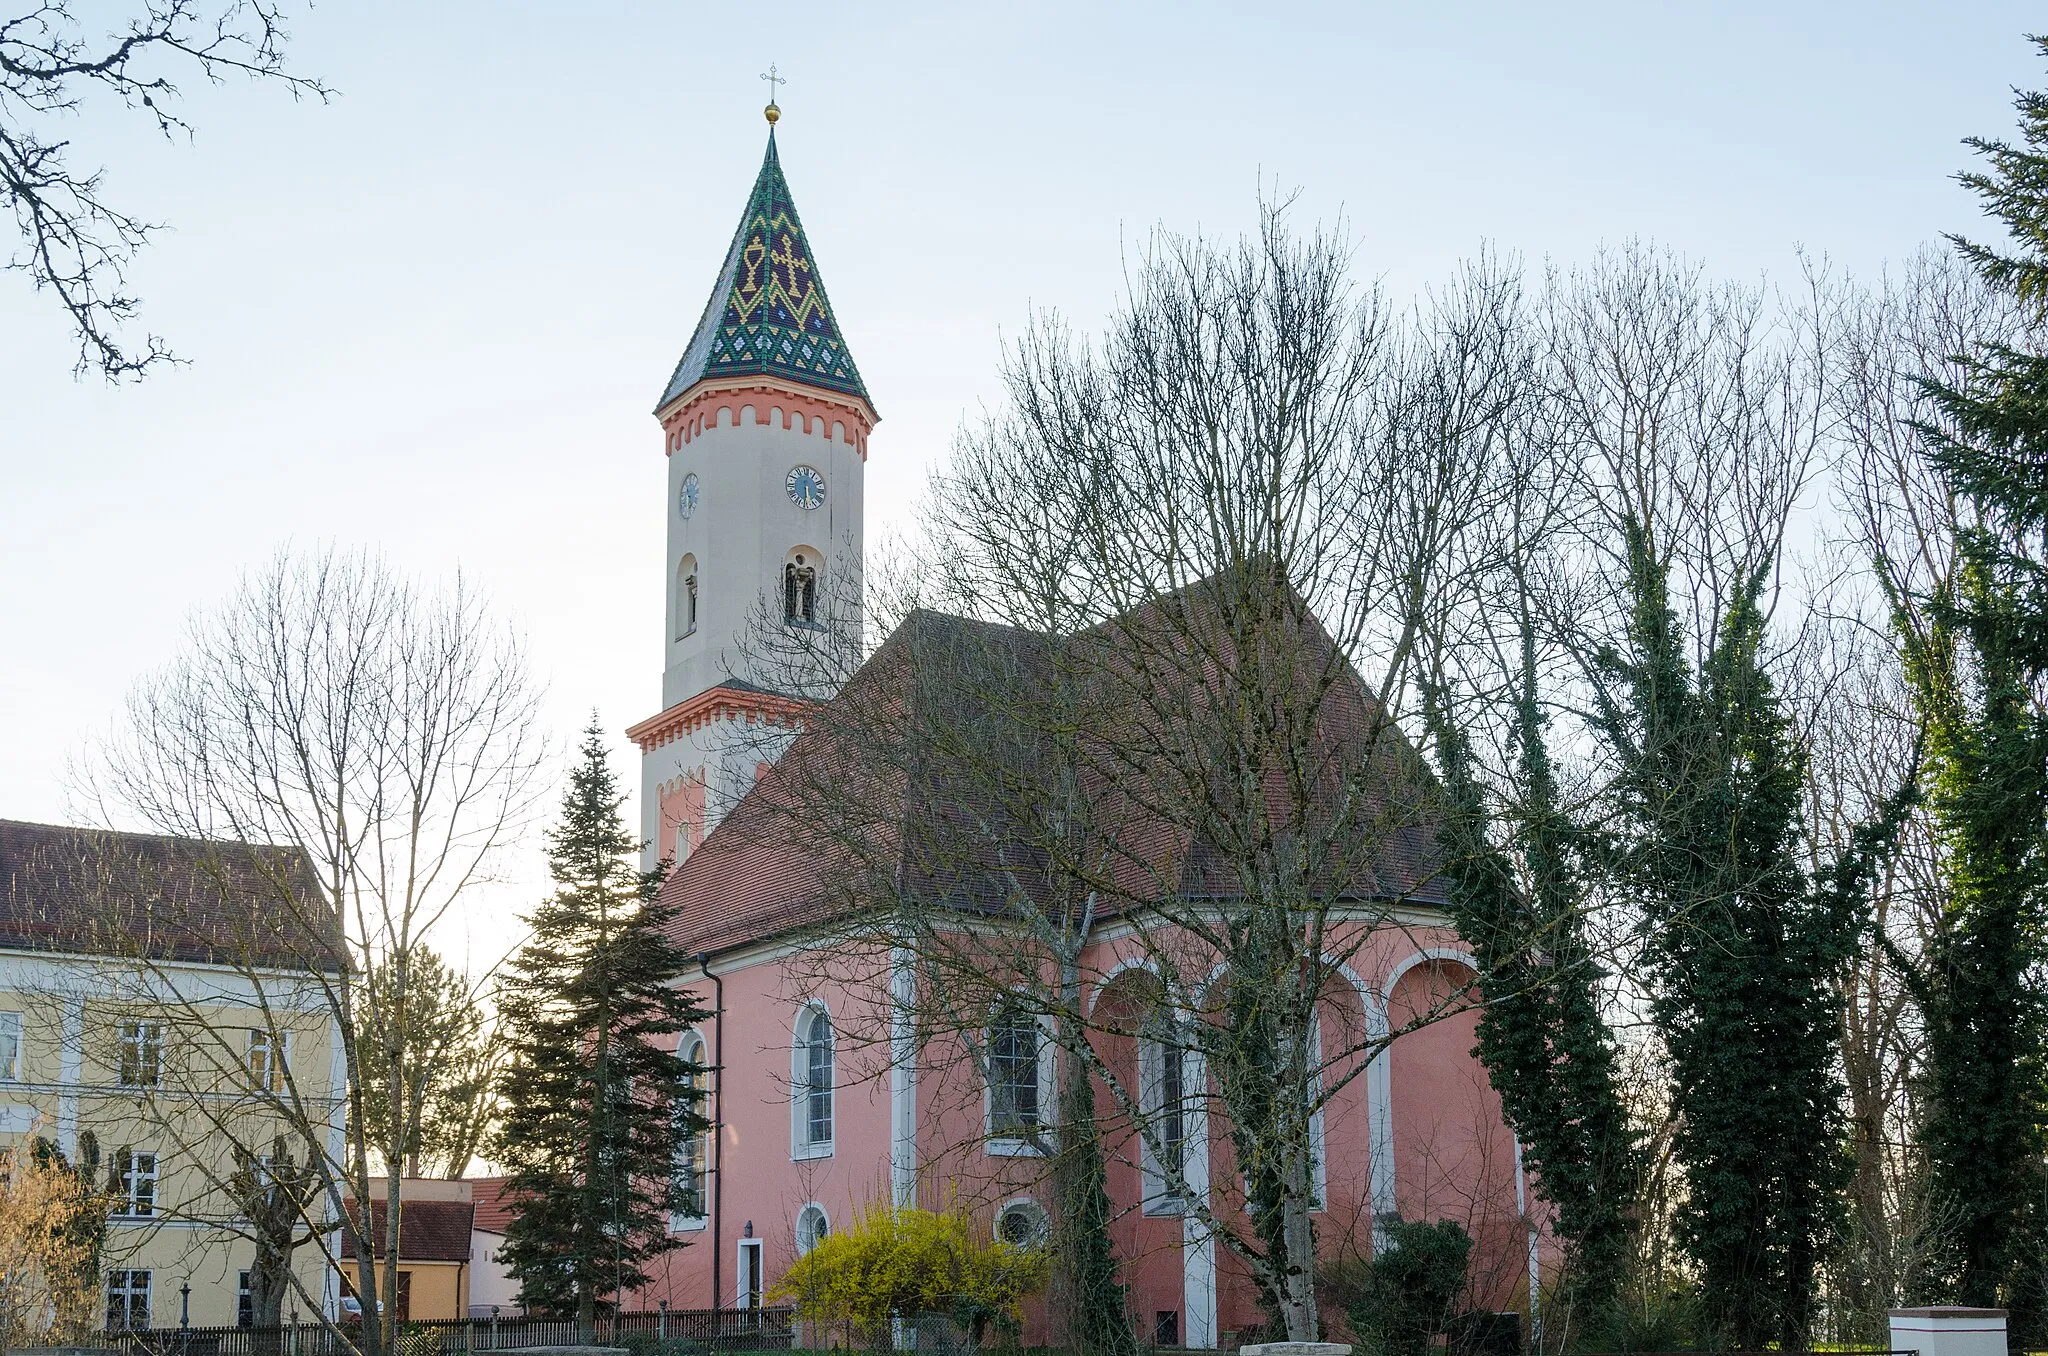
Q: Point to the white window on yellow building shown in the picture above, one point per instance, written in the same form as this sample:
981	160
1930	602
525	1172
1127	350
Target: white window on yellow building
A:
127	1300
10	1047
141	1054
136	1172
265	1058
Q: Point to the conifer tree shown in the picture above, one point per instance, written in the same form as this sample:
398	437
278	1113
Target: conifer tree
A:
1978	670
1743	949
595	1101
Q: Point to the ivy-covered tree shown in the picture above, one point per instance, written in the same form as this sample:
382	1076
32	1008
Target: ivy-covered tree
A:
1978	669
1092	1302
1975	674
1519	902
595	1101
1743	949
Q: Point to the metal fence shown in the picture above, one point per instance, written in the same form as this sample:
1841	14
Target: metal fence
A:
713	1330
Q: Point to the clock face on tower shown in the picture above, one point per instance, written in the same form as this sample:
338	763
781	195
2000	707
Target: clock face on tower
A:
806	487
686	497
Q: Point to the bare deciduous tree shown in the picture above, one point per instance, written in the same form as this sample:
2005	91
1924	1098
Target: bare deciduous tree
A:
347	755
73	240
1142	719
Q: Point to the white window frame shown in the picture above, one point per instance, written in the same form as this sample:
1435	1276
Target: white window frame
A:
1041	1222
801	1145
145	1041
276	1048
128	1291
801	566
742	1297
1004	1145
808	1239
10	1047
693	1150
1318	1174
138	1195
1155	1057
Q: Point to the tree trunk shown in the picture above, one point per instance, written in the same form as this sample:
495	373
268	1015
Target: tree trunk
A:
1297	1230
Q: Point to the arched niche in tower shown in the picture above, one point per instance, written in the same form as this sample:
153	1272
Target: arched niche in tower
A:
686	596
803	584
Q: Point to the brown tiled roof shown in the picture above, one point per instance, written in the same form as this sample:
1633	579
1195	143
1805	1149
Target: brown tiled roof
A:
493	1203
109	893
761	873
428	1231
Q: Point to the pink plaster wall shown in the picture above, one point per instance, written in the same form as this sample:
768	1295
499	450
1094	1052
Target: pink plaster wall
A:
682	818
1453	1157
763	1183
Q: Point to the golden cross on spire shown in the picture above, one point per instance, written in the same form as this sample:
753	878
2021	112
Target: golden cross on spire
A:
772	112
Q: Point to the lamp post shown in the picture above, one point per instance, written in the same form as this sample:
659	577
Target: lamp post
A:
185	1305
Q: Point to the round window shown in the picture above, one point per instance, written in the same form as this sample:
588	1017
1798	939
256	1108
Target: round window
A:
1021	1225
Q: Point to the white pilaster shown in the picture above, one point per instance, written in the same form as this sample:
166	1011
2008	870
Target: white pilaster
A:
71	1071
1379	1115
902	1079
1198	1243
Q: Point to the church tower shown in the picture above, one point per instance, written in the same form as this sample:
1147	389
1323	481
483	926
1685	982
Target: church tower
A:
765	425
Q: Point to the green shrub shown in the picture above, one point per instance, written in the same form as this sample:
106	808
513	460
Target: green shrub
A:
1411	1291
896	1263
1649	1319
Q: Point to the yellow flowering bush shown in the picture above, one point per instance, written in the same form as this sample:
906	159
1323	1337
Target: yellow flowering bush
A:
900	1262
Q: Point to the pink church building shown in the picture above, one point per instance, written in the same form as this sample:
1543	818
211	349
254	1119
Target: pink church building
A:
823	1102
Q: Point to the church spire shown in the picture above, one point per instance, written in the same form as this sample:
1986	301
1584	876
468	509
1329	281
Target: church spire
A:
768	315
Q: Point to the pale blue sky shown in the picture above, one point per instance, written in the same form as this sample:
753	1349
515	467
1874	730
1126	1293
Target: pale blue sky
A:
432	316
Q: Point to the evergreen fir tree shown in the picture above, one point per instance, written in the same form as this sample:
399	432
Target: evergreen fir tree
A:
594	1105
1744	951
1979	672
1546	1047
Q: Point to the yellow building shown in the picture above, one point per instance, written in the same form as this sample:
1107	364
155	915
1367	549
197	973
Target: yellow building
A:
434	1226
163	1015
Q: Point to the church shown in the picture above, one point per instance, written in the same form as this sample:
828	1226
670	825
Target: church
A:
823	1098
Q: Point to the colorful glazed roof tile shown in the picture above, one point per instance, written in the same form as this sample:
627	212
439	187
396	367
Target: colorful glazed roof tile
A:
768	315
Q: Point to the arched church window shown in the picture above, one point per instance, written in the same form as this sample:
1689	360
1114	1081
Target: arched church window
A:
812	1131
1162	1091
687	1206
686	596
800	589
1013	1075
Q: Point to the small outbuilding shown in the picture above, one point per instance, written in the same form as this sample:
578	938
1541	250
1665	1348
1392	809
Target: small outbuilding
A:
435	1221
